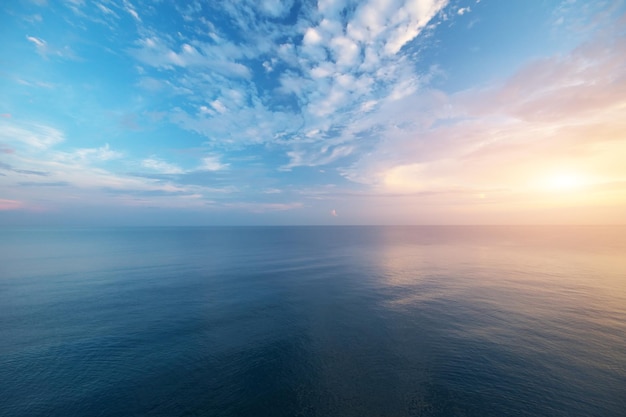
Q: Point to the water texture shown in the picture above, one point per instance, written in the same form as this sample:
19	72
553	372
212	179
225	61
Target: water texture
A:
313	321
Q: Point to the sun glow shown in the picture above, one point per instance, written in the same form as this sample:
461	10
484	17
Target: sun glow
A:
565	181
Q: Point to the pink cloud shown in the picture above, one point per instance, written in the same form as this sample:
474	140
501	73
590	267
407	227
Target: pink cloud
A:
6	115
502	143
588	80
6	205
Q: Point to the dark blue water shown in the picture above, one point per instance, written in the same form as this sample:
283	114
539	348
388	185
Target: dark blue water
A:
297	321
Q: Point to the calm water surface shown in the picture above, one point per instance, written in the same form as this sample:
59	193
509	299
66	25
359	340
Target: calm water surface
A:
305	321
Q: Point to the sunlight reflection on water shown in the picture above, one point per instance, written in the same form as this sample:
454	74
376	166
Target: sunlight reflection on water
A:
403	321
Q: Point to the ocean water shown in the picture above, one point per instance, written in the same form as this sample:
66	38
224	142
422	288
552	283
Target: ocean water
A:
313	321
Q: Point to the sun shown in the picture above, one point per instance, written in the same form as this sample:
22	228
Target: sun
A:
565	181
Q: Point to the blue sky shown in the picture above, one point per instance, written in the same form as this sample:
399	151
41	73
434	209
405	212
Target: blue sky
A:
328	112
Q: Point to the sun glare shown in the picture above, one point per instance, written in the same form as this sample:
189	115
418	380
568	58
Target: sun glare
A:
565	182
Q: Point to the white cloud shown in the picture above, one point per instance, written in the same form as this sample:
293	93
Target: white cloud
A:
212	163
75	5
311	156
35	136
131	10
85	156
312	37
155	52
33	169
239	126
106	10
103	153
268	66
39	43
334	65
276	8
161	166
45	50
345	51
218	106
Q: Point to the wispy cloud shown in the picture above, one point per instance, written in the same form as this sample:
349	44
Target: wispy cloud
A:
161	166
106	10
43	184
45	50
39	163
34	136
263	207
154	52
130	9
103	153
561	113
6	205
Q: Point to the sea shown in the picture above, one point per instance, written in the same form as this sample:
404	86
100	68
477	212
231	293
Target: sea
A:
313	321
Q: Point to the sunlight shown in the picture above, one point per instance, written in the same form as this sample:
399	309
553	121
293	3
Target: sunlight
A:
565	181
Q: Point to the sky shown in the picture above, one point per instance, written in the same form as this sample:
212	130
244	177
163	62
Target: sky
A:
268	112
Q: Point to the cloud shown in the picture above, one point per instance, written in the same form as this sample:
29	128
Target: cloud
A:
388	26
35	136
161	166
338	84
264	207
31	172
43	184
103	153
130	9
40	44
6	205
106	10
45	50
7	167
330	68
155	52
276	8
563	113
212	163
333	213
95	176
308	157
560	87
239	126
208	163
